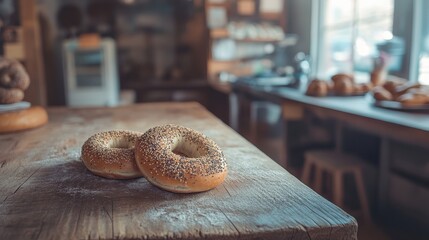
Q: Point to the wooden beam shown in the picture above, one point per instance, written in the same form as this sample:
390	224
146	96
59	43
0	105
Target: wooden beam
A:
36	93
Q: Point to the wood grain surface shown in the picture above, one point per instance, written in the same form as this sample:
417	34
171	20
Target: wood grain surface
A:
47	193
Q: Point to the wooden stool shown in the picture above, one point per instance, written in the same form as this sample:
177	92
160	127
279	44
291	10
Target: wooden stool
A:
337	164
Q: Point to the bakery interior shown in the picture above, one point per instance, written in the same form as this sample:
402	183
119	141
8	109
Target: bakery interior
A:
336	92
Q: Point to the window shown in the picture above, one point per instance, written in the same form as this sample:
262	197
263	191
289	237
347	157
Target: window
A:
423	45
352	33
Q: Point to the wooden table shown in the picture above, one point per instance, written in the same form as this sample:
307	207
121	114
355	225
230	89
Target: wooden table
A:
47	193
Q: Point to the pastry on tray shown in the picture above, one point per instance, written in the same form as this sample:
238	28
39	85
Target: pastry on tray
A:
399	94
318	88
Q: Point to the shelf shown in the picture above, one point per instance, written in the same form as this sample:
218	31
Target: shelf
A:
258	40
165	85
221	87
288	40
218	34
244	59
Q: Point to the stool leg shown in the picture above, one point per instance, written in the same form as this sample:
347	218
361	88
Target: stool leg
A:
306	172
318	180
338	189
254	122
362	195
328	185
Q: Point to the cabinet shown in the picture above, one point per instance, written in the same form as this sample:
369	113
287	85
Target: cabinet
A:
408	182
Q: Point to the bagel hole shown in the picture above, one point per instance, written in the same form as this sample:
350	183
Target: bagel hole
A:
186	149
180	153
121	143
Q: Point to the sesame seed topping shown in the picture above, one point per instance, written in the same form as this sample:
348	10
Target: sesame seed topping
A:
111	154
179	153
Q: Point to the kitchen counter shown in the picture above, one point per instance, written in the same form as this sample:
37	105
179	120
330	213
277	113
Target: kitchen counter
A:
356	111
402	166
47	193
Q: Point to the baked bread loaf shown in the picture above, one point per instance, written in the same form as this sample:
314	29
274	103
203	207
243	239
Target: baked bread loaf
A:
342	77
341	85
413	99
362	88
392	84
378	77
317	88
407	93
404	88
344	86
23	119
381	94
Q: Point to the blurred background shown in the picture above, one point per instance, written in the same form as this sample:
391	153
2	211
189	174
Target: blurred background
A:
156	50
88	53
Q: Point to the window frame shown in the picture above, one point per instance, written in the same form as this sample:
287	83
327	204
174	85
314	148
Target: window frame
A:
410	65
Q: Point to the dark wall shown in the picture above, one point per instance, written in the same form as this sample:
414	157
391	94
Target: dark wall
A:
299	23
402	20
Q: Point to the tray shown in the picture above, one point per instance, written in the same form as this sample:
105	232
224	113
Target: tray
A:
394	105
14	107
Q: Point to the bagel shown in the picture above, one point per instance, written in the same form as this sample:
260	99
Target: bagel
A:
13	74
179	159
111	154
23	119
13	95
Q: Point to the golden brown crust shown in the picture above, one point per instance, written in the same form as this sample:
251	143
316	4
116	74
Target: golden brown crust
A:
317	88
344	87
402	89
23	119
111	154
392	85
408	94
381	94
362	88
12	95
413	99
421	90
179	159
378	77
342	77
